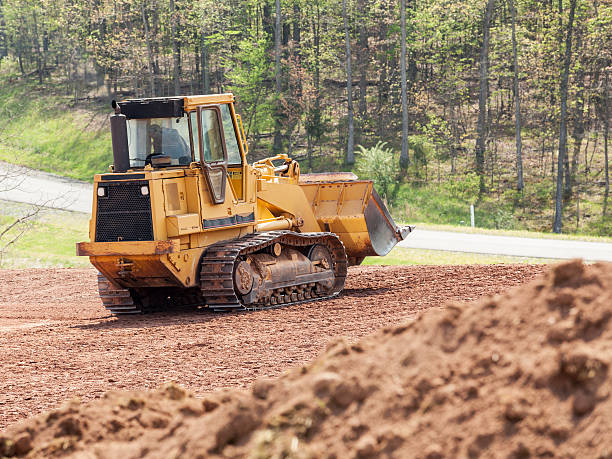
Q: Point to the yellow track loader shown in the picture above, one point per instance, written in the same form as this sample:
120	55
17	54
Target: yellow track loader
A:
182	218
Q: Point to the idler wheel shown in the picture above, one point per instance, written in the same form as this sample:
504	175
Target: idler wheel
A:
243	277
321	258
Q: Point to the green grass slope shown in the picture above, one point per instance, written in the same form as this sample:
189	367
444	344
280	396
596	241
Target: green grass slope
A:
45	131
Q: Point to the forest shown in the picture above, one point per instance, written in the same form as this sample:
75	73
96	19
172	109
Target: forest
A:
503	104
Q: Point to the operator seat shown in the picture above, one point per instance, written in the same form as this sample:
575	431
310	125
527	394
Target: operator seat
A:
175	146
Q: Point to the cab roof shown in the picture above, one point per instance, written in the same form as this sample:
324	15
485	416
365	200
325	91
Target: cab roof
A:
191	102
170	106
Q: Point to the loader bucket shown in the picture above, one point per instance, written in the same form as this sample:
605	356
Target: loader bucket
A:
353	210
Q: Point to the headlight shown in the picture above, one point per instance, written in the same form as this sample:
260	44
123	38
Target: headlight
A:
144	190
101	191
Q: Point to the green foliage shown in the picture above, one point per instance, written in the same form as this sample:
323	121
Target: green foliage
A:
430	203
503	218
41	131
62	55
465	187
420	147
379	164
250	68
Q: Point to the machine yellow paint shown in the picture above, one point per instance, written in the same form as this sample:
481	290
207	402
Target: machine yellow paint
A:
258	198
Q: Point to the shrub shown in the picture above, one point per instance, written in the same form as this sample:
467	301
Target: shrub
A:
378	164
466	187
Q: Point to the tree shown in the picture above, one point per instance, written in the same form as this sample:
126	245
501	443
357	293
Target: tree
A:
483	93
301	72
350	147
363	58
378	164
606	117
3	40
278	143
175	52
558	223
404	158
517	98
149	50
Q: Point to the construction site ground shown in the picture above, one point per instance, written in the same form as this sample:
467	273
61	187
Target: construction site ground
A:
58	343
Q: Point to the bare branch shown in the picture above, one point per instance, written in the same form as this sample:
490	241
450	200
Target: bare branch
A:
20	220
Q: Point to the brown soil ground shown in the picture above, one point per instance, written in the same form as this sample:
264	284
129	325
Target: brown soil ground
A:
523	374
57	342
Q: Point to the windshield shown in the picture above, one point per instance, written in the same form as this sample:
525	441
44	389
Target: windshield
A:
159	136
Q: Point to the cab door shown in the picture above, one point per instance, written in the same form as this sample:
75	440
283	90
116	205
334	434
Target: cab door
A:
213	153
235	147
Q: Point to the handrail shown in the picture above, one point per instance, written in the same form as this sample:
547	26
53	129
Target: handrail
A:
244	140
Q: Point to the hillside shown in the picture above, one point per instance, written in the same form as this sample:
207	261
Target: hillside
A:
422	96
56	134
43	128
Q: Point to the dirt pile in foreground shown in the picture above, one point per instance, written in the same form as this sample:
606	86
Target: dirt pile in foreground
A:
522	374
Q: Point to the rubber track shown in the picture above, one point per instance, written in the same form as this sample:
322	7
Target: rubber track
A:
217	266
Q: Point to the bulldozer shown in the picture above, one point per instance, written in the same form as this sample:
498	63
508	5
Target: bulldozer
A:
181	218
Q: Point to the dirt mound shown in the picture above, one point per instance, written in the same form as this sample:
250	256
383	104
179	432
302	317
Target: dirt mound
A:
520	374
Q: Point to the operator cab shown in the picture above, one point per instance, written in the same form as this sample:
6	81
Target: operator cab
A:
179	131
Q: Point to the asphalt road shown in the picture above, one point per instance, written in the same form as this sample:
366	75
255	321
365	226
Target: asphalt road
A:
41	188
506	245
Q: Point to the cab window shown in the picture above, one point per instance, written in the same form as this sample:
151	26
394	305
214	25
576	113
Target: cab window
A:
158	136
193	118
233	152
212	143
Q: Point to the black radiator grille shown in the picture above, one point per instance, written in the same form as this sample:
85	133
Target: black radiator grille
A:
124	213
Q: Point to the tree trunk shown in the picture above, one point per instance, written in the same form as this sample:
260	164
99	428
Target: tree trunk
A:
404	158
145	23
558	223
606	167
316	29
296	28
278	141
383	82
350	154
204	65
519	158
578	129
3	40
363	59
39	60
175	52
267	26
483	94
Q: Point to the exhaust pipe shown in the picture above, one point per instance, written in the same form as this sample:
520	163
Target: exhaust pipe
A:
121	154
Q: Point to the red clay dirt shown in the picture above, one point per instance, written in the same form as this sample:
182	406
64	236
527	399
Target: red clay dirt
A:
57	341
523	374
